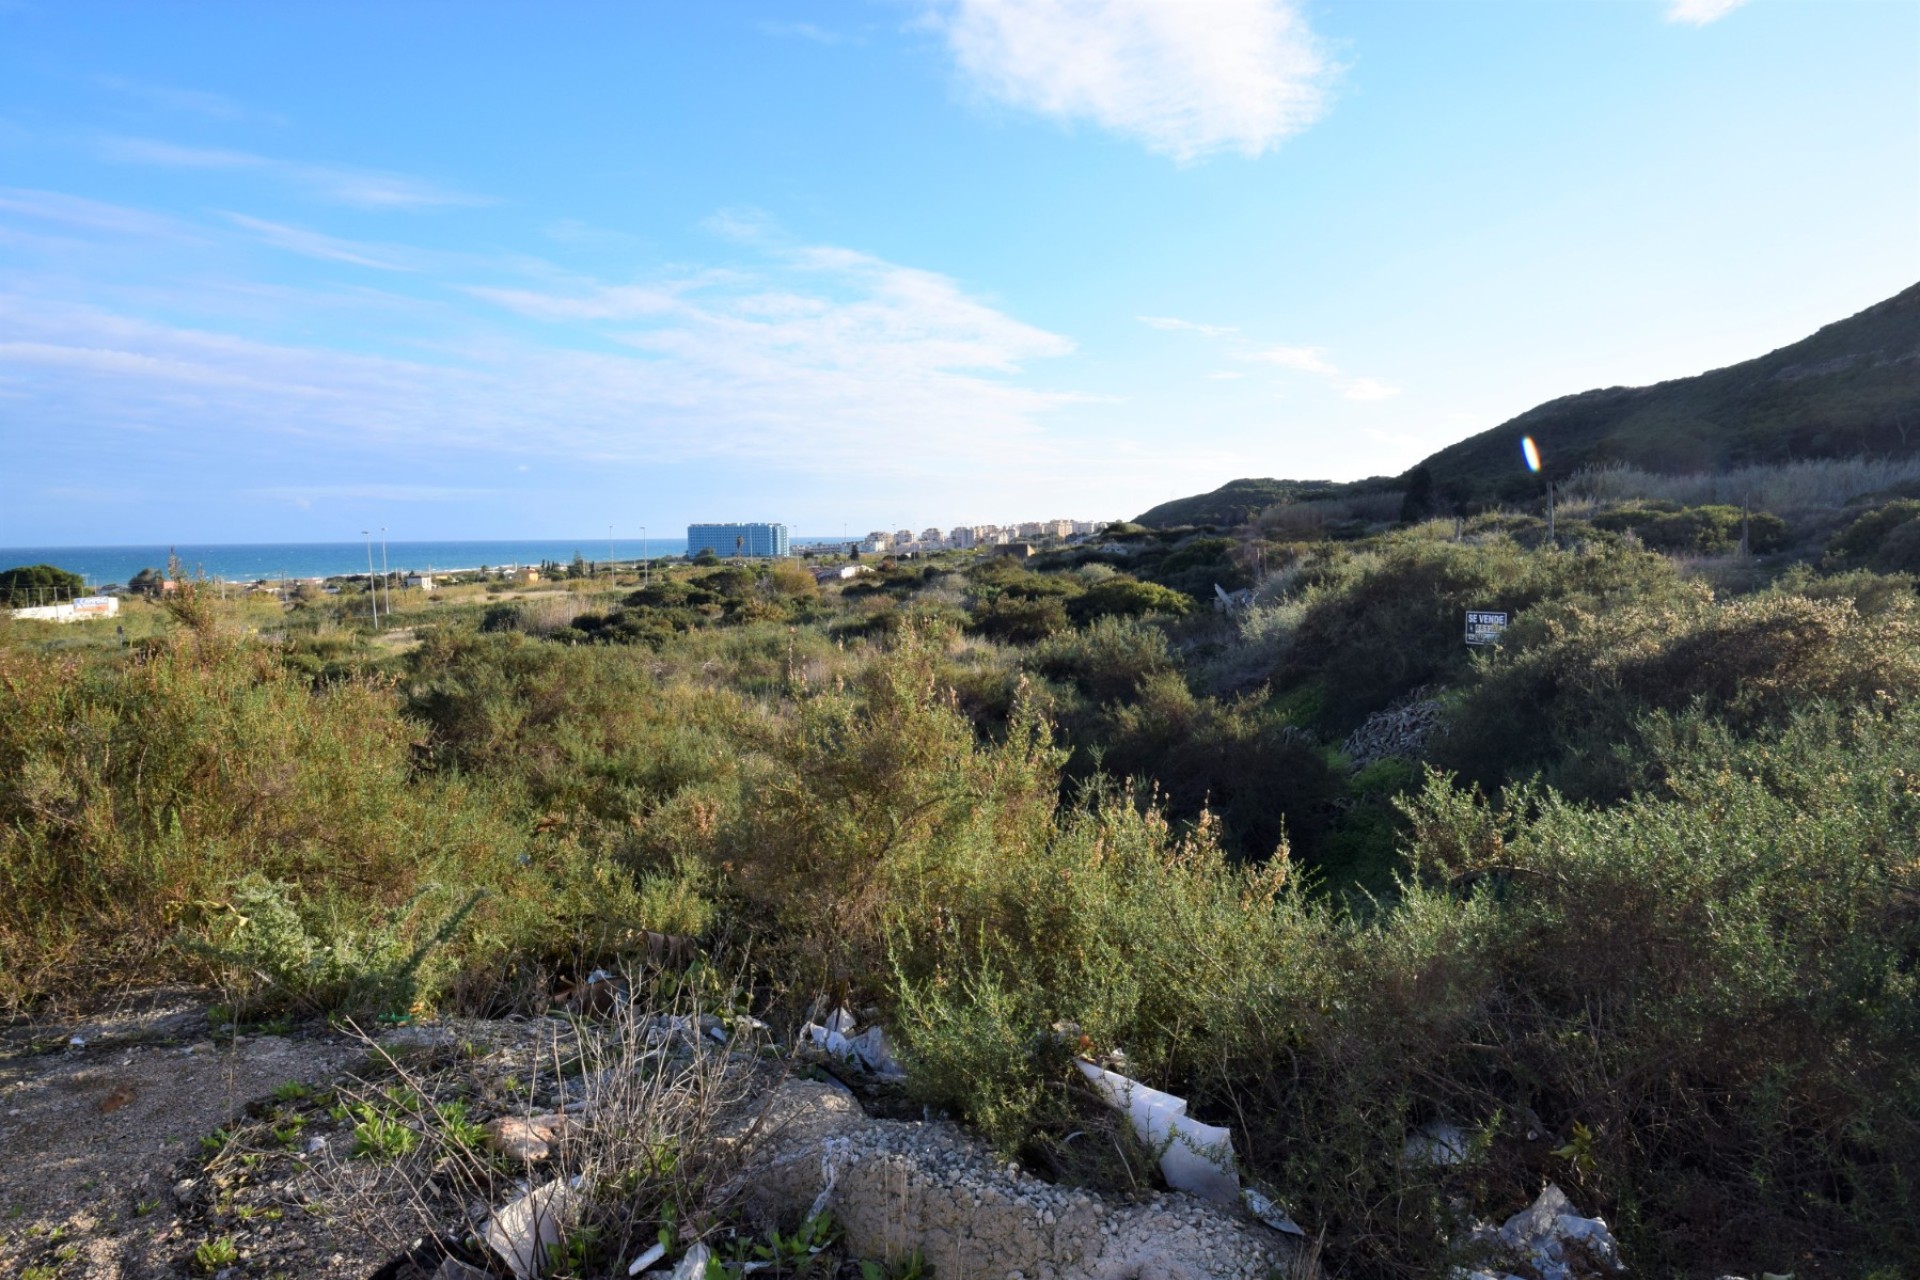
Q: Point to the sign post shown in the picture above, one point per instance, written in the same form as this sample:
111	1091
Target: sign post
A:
1485	626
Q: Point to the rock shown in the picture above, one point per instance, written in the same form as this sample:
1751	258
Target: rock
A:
896	1186
528	1138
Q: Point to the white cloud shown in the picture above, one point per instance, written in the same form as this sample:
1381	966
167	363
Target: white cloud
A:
1311	360
1174	325
80	214
1699	13
1368	389
195	101
1188	78
1301	359
313	244
361	188
819	360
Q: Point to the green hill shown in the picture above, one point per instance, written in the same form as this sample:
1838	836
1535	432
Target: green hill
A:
1234	502
1852	388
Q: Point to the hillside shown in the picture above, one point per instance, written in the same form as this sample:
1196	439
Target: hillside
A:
1852	388
1234	502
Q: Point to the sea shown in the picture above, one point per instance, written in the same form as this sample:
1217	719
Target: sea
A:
253	561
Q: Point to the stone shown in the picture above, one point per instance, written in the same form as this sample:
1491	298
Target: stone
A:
896	1186
528	1138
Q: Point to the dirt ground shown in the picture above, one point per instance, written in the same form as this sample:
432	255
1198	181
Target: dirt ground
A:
102	1118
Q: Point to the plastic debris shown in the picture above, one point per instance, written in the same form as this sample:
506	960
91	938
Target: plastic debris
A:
833	1158
867	1051
1436	1143
1268	1210
523	1230
694	1265
646	1259
1541	1233
1195	1158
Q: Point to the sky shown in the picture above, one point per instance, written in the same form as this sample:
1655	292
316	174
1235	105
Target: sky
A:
274	272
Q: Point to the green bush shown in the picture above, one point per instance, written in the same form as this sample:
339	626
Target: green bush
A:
1378	625
1704	530
1865	540
1573	682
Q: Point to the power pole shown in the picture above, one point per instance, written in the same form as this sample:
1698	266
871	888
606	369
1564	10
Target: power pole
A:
385	576
609	554
646	560
373	593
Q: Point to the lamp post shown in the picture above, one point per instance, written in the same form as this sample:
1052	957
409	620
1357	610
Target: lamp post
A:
385	576
373	593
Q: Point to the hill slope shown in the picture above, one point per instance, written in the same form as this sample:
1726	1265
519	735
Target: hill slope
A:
1234	502
1851	388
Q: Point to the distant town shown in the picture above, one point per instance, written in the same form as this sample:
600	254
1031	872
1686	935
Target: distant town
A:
762	539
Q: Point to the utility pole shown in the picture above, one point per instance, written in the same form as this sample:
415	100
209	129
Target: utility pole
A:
385	576
646	560
609	553
372	592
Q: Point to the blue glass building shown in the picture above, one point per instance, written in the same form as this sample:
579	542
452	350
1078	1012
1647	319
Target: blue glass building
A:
737	539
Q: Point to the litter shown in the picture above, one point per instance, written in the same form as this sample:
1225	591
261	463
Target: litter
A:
694	1265
1541	1233
867	1051
1436	1143
524	1229
834	1156
647	1259
1195	1158
1268	1211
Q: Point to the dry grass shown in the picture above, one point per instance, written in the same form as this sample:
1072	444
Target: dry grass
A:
1794	491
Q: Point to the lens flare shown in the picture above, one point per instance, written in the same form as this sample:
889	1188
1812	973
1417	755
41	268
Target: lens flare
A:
1531	452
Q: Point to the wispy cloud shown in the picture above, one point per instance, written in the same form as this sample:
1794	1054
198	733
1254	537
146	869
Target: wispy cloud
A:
81	214
1309	360
1173	325
304	494
314	244
1188	78
1699	13
804	31
217	106
361	188
816	358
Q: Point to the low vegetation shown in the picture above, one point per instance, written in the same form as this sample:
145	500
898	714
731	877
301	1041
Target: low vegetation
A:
1641	916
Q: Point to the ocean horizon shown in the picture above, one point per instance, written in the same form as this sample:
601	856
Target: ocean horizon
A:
253	561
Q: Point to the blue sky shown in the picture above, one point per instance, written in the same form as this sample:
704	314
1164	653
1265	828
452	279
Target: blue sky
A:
279	272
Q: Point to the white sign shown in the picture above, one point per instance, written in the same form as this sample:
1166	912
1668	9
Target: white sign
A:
1485	626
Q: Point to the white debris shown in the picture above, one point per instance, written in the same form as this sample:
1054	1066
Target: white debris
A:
1195	1158
1541	1233
694	1265
1266	1209
523	1230
833	1158
867	1051
646	1259
1436	1143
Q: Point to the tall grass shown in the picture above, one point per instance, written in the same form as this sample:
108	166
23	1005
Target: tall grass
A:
1793	491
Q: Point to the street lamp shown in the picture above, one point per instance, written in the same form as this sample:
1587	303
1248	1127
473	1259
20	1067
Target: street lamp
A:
373	592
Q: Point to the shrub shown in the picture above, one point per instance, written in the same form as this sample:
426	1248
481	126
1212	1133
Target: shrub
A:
1377	626
1574	681
1705	530
1127	598
1106	660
